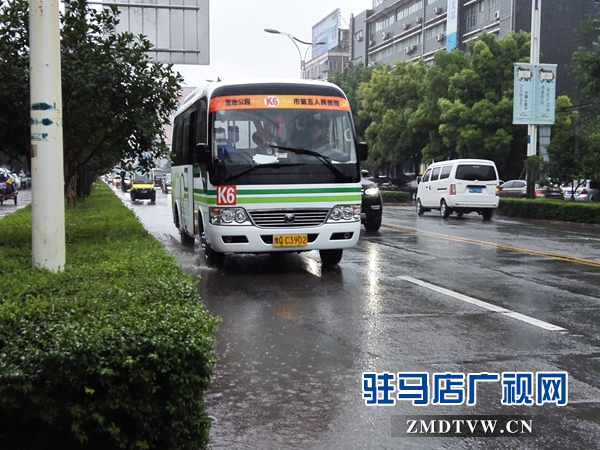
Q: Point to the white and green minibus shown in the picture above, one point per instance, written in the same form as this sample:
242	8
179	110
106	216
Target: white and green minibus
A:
267	165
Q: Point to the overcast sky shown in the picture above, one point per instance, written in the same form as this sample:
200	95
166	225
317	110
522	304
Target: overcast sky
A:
239	46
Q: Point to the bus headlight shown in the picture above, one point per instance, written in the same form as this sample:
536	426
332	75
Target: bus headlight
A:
344	213
229	216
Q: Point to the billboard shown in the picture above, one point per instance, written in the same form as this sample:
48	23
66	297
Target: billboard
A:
327	31
178	29
534	96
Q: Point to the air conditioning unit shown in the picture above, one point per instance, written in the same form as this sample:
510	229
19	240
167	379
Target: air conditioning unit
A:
407	50
385	35
359	38
438	10
419	20
439	37
371	43
405	26
497	15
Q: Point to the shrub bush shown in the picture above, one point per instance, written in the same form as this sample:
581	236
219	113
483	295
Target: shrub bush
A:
548	209
395	197
115	352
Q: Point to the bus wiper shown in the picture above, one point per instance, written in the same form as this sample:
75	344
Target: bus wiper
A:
235	175
324	159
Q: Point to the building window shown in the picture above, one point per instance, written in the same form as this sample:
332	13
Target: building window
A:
493	7
408	8
385	21
433	32
474	14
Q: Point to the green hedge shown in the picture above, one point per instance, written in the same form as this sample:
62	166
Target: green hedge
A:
547	209
115	352
395	197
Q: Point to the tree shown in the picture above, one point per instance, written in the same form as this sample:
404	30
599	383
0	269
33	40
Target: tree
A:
585	139
476	115
349	80
461	106
388	103
116	101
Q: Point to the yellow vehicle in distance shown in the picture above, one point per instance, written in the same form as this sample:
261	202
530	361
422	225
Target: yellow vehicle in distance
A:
142	185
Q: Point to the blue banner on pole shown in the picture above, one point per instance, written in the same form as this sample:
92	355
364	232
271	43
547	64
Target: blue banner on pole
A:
534	99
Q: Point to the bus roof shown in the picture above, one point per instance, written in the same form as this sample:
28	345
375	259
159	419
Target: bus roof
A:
268	86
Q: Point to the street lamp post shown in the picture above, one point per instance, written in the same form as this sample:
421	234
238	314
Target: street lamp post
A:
295	40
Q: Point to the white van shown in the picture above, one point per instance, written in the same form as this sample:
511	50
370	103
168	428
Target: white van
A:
461	186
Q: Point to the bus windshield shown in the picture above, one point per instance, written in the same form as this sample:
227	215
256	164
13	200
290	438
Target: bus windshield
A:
278	136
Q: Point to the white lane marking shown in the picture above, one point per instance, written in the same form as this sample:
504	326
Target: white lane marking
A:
486	305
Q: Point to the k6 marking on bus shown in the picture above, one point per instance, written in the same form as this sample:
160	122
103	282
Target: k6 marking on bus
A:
271	101
226	195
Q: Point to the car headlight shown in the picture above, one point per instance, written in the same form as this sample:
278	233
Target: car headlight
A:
344	213
229	216
372	191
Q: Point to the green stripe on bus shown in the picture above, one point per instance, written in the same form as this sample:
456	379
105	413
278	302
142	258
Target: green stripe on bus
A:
244	192
288	199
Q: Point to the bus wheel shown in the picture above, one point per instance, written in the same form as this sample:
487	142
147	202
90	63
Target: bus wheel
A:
211	257
186	239
331	257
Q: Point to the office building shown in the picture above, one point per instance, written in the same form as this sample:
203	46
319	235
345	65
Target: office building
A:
412	29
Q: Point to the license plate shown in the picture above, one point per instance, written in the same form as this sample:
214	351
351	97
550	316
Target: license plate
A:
143	192
290	240
475	190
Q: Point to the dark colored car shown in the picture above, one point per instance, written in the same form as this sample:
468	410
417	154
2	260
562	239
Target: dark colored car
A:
166	183
372	205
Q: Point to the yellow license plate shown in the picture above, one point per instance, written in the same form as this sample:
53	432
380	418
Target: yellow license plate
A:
290	240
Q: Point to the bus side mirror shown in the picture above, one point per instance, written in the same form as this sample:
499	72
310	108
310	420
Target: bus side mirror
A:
363	151
203	155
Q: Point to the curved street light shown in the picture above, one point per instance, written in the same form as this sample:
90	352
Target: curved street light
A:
294	40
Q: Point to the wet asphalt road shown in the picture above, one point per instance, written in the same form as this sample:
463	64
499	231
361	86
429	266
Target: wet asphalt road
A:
295	339
9	206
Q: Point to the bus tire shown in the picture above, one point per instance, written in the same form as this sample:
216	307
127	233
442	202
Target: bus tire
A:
331	257
211	257
186	239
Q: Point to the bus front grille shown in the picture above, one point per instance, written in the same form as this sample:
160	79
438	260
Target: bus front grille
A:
289	218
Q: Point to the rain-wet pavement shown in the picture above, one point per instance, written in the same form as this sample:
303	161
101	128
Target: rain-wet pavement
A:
9	206
296	339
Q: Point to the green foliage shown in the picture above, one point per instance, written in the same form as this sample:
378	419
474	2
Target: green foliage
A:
476	112
114	352
548	209
116	101
395	197
389	102
461	106
349	80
